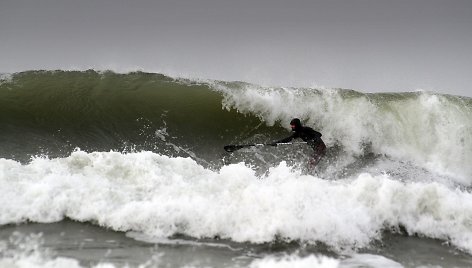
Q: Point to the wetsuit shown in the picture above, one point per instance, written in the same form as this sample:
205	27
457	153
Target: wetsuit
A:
311	136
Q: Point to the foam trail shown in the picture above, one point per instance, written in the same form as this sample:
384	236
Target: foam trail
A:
160	196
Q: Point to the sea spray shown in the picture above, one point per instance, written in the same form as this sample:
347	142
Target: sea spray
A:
162	196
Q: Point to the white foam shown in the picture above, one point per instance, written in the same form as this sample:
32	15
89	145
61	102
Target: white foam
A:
433	131
26	251
295	262
369	260
5	78
33	261
160	196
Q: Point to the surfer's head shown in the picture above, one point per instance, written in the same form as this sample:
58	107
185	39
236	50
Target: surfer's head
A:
295	124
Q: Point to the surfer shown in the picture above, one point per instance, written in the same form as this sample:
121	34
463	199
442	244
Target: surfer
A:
311	136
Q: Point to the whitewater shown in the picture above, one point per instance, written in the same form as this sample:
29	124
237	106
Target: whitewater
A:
142	154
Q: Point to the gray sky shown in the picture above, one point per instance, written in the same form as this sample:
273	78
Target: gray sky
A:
367	45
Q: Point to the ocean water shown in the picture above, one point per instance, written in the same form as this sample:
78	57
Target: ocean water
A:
106	169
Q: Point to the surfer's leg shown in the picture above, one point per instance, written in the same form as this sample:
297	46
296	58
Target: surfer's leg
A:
319	151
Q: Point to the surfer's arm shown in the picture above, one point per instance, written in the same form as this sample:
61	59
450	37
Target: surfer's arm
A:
288	139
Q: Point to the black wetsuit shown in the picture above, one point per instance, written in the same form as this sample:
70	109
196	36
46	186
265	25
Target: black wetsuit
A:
312	137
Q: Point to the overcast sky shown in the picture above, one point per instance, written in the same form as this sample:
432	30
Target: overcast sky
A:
367	45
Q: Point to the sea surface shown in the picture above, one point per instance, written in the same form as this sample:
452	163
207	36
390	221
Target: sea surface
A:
105	169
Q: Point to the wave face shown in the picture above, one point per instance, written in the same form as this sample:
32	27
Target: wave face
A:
144	152
52	113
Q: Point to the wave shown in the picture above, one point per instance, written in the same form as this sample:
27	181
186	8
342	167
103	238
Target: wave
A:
143	153
54	112
161	196
431	129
